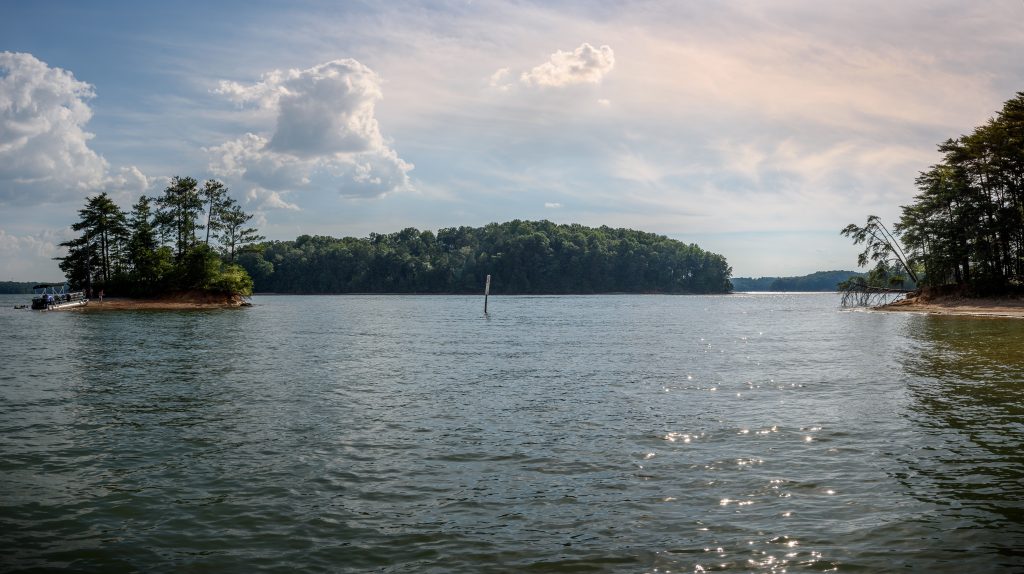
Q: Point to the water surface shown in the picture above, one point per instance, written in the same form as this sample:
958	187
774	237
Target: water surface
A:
768	432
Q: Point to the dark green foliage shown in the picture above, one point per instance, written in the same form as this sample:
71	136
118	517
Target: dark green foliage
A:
128	256
178	213
521	256
16	287
96	256
215	196
817	281
234	235
966	226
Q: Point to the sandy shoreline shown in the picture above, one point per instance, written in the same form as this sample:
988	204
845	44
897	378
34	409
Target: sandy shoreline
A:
982	307
178	303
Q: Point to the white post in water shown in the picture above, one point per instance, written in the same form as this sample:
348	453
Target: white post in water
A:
487	291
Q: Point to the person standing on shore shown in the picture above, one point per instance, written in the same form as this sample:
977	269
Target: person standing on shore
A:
101	295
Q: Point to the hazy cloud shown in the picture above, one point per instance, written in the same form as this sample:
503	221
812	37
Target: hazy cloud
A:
19	254
499	80
584	65
325	132
269	199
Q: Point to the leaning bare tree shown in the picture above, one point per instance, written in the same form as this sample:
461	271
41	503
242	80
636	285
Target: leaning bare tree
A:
883	247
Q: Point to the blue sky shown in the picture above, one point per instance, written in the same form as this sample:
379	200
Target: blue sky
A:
754	129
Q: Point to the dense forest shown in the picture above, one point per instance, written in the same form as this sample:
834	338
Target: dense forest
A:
966	225
185	239
817	281
521	257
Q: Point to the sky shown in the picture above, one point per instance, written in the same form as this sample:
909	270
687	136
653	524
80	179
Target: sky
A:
755	129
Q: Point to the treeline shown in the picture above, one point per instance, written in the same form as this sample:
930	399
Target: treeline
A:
966	225
186	239
15	287
521	257
817	281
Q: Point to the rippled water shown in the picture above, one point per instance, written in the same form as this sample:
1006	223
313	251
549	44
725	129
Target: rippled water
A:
739	433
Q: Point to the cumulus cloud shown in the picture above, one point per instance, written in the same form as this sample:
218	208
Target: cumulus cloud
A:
584	65
44	148
326	134
127	180
44	151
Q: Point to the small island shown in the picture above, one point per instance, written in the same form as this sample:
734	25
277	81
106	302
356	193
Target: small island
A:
176	251
960	244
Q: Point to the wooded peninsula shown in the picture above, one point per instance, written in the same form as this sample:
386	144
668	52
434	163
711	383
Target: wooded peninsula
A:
521	256
964	231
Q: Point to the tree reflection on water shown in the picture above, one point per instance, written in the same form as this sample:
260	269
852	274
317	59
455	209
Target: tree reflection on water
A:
967	391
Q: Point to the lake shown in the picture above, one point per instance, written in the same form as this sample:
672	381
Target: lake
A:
618	433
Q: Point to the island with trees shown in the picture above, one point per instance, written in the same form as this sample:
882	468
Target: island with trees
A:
962	238
523	257
179	248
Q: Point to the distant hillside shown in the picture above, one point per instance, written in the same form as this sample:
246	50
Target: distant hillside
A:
16	287
818	281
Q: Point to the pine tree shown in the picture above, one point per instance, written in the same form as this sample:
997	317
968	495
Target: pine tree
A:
178	212
215	196
234	233
100	248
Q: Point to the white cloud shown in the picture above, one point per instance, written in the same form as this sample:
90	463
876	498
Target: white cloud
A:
552	205
128	180
584	65
44	151
43	143
499	80
265	199
326	134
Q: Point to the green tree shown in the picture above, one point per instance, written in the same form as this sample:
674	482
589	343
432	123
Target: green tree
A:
966	225
177	215
96	254
234	235
150	262
521	256
132	255
880	245
215	197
